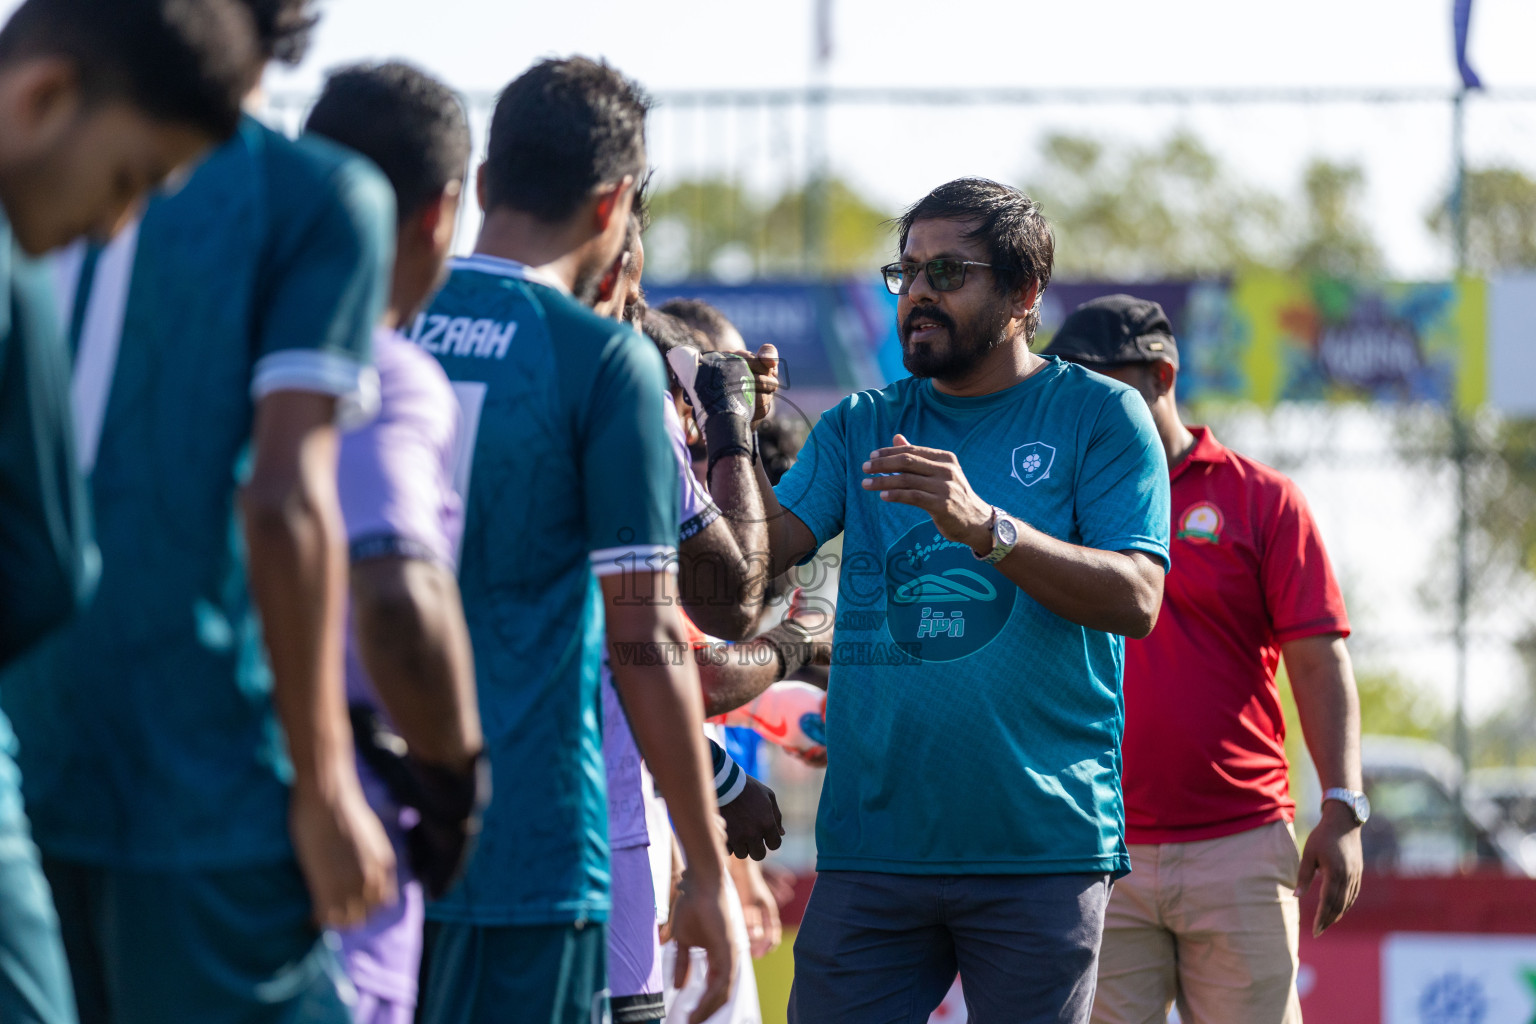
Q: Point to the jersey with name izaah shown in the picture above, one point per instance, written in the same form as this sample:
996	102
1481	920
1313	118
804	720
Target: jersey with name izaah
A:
944	671
568	476
147	731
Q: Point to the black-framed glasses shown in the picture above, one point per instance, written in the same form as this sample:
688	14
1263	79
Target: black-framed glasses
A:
945	275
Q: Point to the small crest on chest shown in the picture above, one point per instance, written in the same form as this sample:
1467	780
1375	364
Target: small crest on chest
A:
1032	462
1201	522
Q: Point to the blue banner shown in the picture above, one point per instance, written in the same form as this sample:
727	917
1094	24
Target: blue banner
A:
1461	17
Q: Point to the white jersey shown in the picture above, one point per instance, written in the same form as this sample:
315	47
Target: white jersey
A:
743	1006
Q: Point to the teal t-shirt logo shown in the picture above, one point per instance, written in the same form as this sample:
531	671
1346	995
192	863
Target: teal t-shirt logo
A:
941	602
1032	462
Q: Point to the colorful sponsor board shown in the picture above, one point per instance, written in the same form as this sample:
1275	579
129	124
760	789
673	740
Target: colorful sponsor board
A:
1259	337
1266	338
1434	978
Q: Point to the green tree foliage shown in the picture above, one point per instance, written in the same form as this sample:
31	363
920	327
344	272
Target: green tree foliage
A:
1389	706
1144	212
1335	240
718	217
1508	737
1170	209
1500	211
1393	706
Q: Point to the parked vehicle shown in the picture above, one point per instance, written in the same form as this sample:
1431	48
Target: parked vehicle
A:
1504	802
1417	827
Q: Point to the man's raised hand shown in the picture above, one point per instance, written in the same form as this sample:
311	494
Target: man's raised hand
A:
931	479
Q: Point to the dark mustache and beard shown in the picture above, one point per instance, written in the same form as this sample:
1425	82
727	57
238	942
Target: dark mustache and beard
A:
965	347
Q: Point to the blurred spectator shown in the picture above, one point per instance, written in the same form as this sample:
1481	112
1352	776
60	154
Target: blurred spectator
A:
1208	917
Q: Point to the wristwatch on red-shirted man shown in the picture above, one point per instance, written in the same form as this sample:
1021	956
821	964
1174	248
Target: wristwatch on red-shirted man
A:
1355	800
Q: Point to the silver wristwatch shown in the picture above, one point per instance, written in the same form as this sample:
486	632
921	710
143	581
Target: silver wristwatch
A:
1355	800
1005	534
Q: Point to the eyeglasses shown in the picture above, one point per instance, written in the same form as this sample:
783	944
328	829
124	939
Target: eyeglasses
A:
945	275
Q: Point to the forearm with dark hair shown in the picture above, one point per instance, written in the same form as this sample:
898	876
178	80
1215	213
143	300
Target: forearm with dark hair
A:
411	635
1328	704
297	573
722	570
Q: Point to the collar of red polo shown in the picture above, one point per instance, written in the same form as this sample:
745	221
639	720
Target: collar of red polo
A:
1206	449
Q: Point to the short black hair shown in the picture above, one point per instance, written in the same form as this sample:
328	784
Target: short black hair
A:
700	316
404	120
639	215
1019	243
560	130
185	62
667	331
641	210
284	27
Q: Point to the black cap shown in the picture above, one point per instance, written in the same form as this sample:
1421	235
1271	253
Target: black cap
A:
1115	329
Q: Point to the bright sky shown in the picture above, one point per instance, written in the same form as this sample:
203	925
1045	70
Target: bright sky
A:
897	154
478	45
1387	524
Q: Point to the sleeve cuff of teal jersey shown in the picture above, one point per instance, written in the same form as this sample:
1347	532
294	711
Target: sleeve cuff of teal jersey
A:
818	531
1142	544
634	558
354	385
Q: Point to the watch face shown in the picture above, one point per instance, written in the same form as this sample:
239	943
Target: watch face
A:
1007	531
1362	808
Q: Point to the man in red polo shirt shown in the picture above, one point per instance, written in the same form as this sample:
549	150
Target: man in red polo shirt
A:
1208	916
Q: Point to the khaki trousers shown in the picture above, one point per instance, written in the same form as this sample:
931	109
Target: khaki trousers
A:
1211	925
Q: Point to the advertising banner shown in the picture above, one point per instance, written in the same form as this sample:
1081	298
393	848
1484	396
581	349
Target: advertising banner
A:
1435	978
1298	340
1266	338
1261	337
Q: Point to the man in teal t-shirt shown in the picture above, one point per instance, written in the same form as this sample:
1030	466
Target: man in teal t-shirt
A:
189	771
1005	522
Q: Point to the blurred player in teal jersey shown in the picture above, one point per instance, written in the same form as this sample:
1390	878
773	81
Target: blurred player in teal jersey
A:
99	101
571	518
410	674
190	774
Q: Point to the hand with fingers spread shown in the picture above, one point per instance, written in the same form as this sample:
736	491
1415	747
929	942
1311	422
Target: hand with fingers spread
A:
700	920
931	479
1333	851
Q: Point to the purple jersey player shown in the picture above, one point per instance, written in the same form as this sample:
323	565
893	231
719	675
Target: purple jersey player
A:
634	954
398	499
410	673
